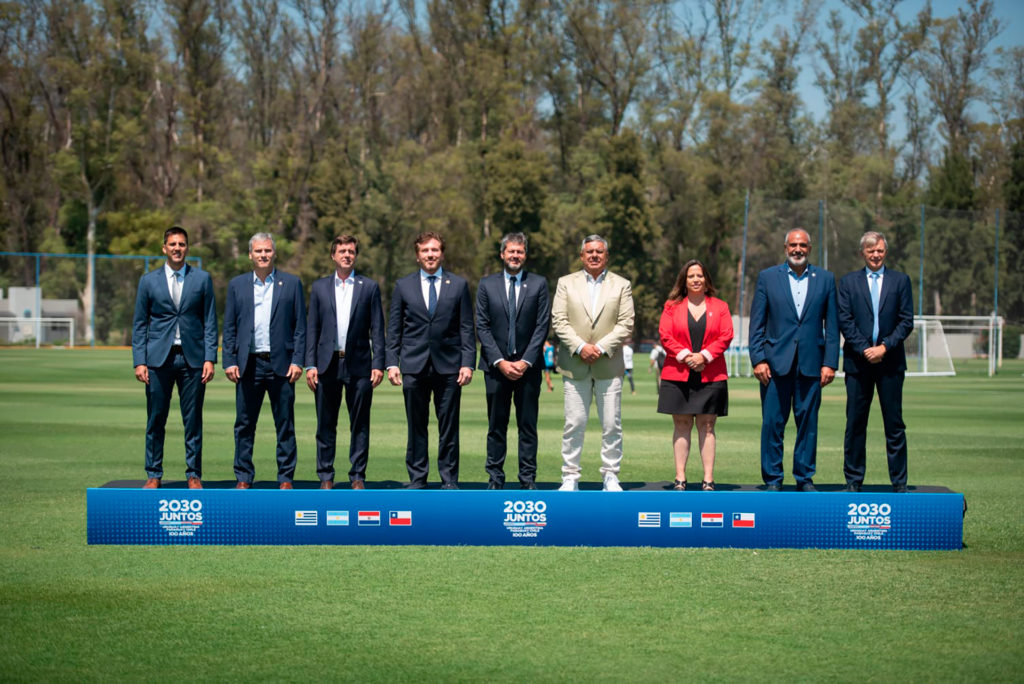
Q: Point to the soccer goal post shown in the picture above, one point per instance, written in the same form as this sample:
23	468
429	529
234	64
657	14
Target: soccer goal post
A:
48	331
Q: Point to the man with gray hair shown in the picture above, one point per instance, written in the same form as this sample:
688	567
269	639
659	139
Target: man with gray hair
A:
513	311
876	314
264	346
592	315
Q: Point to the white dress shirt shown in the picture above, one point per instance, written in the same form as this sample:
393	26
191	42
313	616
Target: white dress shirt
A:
343	305
263	300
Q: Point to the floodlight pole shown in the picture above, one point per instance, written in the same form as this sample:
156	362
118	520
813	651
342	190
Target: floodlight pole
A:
920	271
743	268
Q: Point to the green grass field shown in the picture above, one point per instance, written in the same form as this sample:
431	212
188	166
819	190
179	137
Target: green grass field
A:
74	419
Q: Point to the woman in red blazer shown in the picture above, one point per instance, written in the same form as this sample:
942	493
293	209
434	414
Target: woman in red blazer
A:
695	329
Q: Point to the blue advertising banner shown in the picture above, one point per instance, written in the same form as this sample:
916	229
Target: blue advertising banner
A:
739	519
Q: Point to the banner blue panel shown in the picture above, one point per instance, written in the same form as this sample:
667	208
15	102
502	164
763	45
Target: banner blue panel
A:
744	519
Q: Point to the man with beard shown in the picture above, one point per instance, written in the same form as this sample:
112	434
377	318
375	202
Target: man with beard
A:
794	349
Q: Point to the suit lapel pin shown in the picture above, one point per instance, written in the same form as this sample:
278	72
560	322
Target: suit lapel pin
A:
447	282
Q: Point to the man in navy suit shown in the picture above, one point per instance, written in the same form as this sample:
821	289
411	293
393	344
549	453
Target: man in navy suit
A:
876	313
344	355
513	311
174	342
264	343
431	350
794	348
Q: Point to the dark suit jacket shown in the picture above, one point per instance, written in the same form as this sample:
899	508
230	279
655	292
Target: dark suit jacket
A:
364	344
533	316
155	318
778	336
446	339
895	319
287	322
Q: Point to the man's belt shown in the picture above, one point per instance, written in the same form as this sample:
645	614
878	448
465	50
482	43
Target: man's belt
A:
261	355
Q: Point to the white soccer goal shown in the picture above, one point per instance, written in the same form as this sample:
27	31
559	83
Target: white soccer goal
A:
42	331
928	349
973	337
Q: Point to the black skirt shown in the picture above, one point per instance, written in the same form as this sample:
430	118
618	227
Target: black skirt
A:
693	398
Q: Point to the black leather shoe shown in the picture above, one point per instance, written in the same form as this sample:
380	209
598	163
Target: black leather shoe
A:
852	487
806	487
527	485
416	485
494	485
449	485
899	489
773	488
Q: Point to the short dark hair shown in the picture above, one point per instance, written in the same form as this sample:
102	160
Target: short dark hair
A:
426	236
175	230
344	239
678	292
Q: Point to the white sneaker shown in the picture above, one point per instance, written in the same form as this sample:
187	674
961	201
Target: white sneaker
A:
569	486
611	483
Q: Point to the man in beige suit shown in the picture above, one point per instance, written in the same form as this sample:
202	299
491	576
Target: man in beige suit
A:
592	314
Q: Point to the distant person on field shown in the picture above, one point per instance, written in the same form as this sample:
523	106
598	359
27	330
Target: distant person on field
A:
592	314
174	342
876	314
431	350
695	329
627	359
513	312
794	349
344	356
264	344
657	362
549	363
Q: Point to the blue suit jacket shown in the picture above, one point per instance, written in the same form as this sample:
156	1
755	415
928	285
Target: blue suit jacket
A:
533	317
446	339
287	322
895	319
364	343
155	318
778	336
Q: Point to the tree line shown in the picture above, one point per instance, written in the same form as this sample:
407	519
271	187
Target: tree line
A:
648	121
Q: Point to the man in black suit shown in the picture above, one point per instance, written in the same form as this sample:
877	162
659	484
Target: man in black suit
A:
344	354
431	342
174	342
264	343
513	312
876	314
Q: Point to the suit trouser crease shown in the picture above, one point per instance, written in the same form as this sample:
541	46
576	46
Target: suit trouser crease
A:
860	389
259	380
358	394
578	396
802	395
502	394
417	389
191	391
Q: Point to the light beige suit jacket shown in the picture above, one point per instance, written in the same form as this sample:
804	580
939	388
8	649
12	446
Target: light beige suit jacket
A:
608	327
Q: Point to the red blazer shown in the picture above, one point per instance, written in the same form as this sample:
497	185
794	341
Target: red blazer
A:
675	337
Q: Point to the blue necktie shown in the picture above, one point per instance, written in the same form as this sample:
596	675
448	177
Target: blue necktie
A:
431	295
874	307
512	316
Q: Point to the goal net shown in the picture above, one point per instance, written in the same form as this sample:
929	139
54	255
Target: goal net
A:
46	331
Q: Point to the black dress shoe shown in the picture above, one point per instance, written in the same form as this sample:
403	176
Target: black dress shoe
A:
852	487
449	485
494	485
899	489
806	487
527	485
773	488
416	485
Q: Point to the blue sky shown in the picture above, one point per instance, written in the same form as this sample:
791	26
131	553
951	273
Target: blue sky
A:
1009	12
